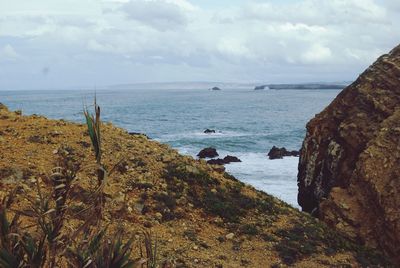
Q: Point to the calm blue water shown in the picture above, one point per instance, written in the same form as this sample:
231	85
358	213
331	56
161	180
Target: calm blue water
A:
248	123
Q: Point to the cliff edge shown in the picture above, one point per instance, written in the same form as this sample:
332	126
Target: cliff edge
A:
349	170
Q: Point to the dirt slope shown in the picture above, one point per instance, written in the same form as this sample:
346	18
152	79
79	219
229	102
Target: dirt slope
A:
201	216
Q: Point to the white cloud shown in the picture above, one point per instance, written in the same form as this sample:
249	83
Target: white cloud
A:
317	53
114	41
8	53
159	14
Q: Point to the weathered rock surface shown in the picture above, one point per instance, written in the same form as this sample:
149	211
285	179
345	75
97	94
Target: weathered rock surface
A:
208	153
349	170
279	153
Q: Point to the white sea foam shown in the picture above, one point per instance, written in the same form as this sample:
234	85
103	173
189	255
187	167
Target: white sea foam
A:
202	135
277	177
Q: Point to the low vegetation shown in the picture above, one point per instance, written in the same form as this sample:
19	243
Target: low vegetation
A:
127	201
41	236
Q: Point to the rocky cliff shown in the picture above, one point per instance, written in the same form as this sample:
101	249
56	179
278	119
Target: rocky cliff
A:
349	170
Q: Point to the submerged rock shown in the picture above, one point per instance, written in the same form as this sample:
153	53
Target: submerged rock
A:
208	153
209	131
349	172
279	153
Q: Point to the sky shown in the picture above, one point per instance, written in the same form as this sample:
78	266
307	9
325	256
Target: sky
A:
51	44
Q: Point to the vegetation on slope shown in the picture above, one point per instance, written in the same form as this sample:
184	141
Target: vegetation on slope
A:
202	217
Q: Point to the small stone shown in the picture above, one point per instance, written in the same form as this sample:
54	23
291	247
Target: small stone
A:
55	151
139	207
230	236
195	247
147	224
158	216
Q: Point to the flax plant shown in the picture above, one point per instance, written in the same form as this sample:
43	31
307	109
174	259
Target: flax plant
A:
93	124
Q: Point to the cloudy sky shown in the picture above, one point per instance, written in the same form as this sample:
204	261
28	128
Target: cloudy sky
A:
70	43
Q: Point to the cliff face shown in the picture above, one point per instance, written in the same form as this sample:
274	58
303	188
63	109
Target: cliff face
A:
349	170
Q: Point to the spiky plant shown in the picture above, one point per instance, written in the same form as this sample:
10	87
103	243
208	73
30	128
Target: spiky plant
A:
93	124
151	250
99	251
18	249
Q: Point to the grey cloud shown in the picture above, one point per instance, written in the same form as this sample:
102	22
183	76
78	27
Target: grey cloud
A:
158	14
316	12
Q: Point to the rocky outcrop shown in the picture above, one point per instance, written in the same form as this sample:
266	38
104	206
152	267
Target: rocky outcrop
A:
218	161
226	160
349	170
279	153
209	131
230	159
208	153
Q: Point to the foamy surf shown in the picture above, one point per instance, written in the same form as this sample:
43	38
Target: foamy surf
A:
277	177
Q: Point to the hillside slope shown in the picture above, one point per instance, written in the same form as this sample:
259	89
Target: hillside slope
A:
200	216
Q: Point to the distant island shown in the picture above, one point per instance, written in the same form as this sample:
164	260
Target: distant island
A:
302	86
215	88
228	86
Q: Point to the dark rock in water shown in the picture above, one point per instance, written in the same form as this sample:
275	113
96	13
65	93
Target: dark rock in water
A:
209	131
279	153
208	153
215	88
229	159
349	170
218	161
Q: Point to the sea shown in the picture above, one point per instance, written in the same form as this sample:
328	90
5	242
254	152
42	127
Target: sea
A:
247	123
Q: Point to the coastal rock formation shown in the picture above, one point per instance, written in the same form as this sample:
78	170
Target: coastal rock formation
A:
208	153
349	170
279	153
218	161
226	160
209	131
230	159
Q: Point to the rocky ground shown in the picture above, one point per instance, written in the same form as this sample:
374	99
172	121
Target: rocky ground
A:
200	216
